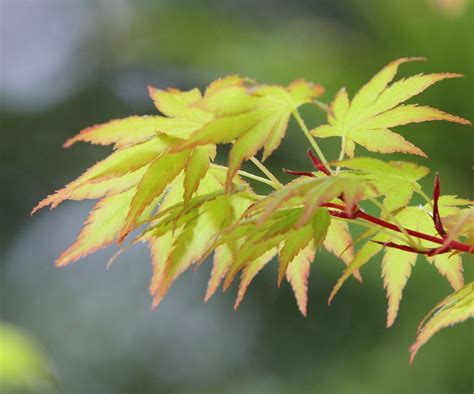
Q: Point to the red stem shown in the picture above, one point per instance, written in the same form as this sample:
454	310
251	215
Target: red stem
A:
372	219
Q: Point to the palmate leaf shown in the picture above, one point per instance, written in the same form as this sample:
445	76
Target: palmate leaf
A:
120	132
118	172
189	240
102	226
454	309
314	192
161	183
153	183
297	274
339	242
287	222
461	224
395	180
142	159
262	125
180	233
397	264
375	109
295	250
396	270
300	238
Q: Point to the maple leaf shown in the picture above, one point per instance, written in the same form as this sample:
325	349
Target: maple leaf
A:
119	172
181	233
120	132
460	224
191	241
161	181
298	266
248	246
395	180
262	125
257	239
363	255
375	109
339	242
300	238
297	274
396	269
313	193
454	309
397	264
102	226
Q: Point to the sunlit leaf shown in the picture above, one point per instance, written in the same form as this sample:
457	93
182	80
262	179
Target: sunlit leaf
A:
118	172
375	109
263	125
297	274
396	269
120	132
395	180
454	309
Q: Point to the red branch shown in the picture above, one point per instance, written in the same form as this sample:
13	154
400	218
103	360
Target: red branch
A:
453	245
317	163
436	216
298	173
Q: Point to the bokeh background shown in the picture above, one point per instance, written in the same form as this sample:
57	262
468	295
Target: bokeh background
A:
67	64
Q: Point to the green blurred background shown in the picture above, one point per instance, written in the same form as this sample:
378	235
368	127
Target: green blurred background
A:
68	64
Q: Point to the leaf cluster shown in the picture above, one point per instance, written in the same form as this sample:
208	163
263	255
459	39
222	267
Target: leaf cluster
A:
161	184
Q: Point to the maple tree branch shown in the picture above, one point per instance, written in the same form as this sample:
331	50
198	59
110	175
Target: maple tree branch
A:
453	245
410	240
317	163
309	137
369	225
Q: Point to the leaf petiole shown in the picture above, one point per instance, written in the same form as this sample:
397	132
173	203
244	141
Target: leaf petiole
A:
322	106
275	182
309	137
257	178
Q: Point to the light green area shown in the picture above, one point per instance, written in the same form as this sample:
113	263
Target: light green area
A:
23	364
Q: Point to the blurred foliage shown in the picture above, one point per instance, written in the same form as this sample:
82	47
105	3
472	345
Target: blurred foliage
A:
118	50
23	364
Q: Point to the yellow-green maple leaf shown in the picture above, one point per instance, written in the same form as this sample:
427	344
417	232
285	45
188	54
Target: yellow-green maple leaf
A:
102	226
153	183
120	132
262	125
454	309
118	172
192	241
396	269
339	242
397	265
297	274
395	180
375	109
